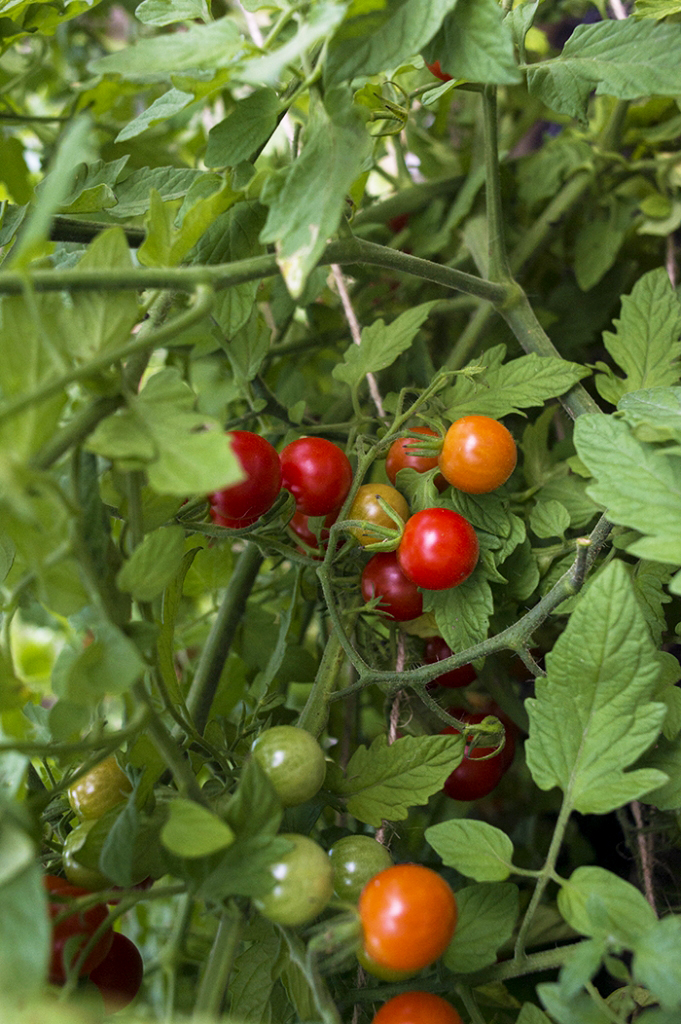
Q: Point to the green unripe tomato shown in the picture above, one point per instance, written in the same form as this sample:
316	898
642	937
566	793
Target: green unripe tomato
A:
293	761
355	860
100	789
77	873
303	883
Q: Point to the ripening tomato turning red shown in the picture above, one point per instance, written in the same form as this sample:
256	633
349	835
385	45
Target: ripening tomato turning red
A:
408	914
400	456
436	70
119	976
255	495
317	473
439	549
478	454
417	1008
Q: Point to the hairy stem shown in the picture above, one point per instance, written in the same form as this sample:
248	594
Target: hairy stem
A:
219	967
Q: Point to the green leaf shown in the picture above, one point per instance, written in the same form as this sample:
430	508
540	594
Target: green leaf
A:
656	961
631	479
168	12
462	613
626	59
385	781
646	340
599	241
167	243
381	36
182	451
255	972
582	964
109	665
244	870
153	564
473	848
509	388
665	757
161	109
654	413
521	19
193	831
245	129
133	193
381	345
319	21
308	207
549	519
476	43
254	809
597	903
488	913
656	9
531	1014
593	714
24	923
201	46
568	1011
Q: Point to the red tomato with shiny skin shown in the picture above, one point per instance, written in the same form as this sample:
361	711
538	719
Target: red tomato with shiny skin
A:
317	473
400	457
408	914
478	454
437	649
439	549
85	923
382	577
256	494
119	976
474	777
417	1008
230	524
436	70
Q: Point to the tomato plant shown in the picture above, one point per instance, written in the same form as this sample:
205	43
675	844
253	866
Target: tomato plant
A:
417	1008
299	524
478	773
317	473
254	495
400	456
79	874
119	975
100	789
408	914
439	549
293	761
365	505
355	860
478	454
81	924
303	883
382	577
437	649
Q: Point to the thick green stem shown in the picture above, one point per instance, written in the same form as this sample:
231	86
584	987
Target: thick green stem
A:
314	716
219	967
169	750
499	269
204	686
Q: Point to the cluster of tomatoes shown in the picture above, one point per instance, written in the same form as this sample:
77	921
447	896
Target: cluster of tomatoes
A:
111	962
437	548
406	914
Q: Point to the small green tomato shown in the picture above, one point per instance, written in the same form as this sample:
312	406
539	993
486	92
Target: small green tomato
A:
293	761
303	883
355	860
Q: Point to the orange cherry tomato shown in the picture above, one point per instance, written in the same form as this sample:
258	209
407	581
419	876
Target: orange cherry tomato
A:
417	1008
408	914
478	454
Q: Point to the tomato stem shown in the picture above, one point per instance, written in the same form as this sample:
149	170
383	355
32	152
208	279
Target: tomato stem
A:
219	967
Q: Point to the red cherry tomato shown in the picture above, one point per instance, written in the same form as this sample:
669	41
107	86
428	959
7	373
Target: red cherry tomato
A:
398	222
119	976
256	494
382	577
436	70
408	914
437	649
512	731
84	923
417	1008
478	454
317	473
301	527
439	549
230	524
400	457
473	778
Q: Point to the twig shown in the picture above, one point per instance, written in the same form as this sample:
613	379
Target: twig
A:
645	854
356	333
